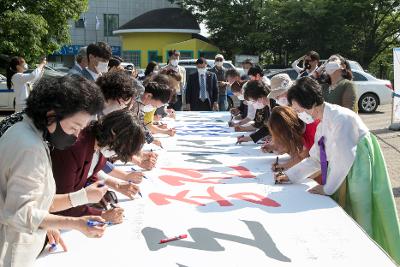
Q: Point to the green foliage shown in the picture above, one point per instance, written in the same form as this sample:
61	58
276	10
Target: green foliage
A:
358	29
36	28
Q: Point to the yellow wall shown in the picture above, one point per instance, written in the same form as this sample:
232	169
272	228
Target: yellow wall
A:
148	41
162	43
194	45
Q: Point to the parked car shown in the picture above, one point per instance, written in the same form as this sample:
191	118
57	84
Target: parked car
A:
210	63
7	102
371	91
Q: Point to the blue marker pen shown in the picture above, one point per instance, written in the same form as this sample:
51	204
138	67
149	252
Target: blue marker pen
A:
134	170
92	223
140	194
53	247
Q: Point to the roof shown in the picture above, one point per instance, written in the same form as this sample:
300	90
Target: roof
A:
162	20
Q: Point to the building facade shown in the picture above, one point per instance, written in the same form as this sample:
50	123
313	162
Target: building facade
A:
98	23
150	36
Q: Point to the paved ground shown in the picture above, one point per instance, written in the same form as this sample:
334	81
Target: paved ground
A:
390	142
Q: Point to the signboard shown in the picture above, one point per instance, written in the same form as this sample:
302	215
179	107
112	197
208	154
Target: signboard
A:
71	50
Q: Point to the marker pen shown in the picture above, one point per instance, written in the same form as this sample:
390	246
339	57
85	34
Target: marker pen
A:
162	241
134	170
92	223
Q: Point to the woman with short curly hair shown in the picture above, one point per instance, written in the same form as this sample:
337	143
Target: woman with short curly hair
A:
57	110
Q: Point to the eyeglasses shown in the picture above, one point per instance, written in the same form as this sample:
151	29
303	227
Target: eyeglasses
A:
219	59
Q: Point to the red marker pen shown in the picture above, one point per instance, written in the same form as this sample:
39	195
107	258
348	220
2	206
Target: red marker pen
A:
162	241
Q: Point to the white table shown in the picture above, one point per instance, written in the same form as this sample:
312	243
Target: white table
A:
230	208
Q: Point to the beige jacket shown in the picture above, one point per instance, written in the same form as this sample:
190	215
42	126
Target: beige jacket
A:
27	189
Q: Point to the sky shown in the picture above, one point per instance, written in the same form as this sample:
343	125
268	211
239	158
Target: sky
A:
203	30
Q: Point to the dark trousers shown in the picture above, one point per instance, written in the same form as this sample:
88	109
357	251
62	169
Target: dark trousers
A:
199	105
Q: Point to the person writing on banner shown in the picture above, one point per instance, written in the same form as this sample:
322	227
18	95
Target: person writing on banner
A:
256	74
173	63
219	70
156	95
351	163
256	94
241	113
119	90
98	56
57	109
339	88
244	113
22	82
246	65
290	135
202	89
280	85
172	80
310	64
117	136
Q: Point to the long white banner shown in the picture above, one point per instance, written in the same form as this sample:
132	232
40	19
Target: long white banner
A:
223	197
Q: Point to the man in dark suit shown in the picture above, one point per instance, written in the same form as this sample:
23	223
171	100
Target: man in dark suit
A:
81	62
202	89
98	56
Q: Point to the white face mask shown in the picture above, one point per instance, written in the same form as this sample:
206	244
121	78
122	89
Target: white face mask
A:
331	67
240	97
174	62
147	108
107	153
258	105
201	70
25	66
219	63
282	102
305	117
102	67
246	71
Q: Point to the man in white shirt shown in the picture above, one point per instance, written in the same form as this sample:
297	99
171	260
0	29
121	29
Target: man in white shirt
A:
98	56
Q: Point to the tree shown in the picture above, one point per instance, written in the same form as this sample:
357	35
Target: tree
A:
33	29
359	29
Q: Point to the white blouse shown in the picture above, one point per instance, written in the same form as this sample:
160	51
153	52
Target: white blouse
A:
20	84
342	129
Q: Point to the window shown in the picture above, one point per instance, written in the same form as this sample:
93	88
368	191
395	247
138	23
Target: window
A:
153	56
133	56
207	54
80	23
111	23
186	54
359	77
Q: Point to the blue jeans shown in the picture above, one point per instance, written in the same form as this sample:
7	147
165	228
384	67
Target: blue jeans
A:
223	102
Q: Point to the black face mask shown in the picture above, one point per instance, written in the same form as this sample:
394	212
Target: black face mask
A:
59	139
